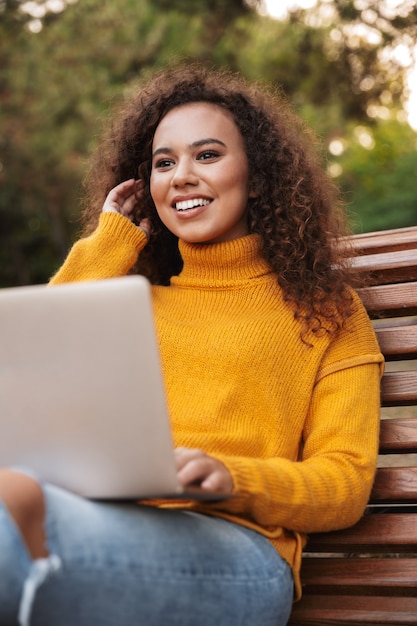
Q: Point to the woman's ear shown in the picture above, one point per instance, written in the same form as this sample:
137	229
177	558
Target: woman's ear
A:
252	193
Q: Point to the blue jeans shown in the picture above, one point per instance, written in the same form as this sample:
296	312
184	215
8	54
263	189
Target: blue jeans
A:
133	565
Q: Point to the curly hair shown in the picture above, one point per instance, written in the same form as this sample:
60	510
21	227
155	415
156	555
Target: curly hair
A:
297	210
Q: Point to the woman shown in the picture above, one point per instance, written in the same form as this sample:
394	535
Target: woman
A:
212	189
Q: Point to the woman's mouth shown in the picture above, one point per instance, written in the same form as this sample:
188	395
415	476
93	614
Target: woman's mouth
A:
186	205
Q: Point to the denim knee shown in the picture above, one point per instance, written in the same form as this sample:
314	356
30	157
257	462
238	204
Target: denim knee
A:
128	564
20	576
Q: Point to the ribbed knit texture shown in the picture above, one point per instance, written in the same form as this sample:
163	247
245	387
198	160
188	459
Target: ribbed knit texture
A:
243	387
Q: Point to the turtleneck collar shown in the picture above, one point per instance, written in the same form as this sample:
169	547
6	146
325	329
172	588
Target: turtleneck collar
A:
221	264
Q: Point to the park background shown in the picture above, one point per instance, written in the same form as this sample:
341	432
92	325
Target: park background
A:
346	66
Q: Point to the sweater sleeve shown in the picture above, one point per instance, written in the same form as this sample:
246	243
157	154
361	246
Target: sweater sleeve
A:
110	251
329	485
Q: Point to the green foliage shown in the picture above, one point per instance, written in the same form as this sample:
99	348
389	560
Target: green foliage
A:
36	179
57	85
381	184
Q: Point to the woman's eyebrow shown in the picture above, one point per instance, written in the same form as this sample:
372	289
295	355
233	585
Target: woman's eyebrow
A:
195	144
203	142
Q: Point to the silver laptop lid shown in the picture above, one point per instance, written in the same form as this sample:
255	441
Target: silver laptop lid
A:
82	400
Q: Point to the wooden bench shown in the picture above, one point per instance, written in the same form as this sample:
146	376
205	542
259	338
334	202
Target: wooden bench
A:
367	574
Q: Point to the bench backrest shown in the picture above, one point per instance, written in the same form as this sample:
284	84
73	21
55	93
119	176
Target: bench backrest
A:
367	574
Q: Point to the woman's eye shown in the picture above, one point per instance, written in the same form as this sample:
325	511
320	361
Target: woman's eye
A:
163	163
207	154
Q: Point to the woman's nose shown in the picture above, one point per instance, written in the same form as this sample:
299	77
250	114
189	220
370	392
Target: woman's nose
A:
184	174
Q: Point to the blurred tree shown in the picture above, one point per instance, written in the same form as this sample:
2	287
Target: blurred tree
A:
37	181
60	73
379	176
371	42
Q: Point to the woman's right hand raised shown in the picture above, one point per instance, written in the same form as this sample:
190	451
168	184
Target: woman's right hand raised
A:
123	199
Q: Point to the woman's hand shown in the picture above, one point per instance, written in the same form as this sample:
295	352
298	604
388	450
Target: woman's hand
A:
197	467
123	199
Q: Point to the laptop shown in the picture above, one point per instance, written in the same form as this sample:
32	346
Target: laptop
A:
82	401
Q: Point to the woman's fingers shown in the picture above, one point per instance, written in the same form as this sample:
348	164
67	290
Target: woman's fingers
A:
124	198
118	196
197	467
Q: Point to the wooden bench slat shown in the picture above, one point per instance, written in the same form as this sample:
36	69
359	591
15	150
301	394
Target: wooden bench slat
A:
398	341
362	576
366	610
395	484
385	240
398	435
395	300
382	261
375	533
399	388
386	267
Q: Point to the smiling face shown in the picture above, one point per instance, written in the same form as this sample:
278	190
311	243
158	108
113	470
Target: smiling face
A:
199	177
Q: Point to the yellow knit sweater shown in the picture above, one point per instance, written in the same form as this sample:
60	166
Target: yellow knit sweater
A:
296	426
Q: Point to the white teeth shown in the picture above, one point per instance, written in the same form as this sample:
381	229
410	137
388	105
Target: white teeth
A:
191	204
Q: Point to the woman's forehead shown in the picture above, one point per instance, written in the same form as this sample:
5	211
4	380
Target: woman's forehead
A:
192	122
